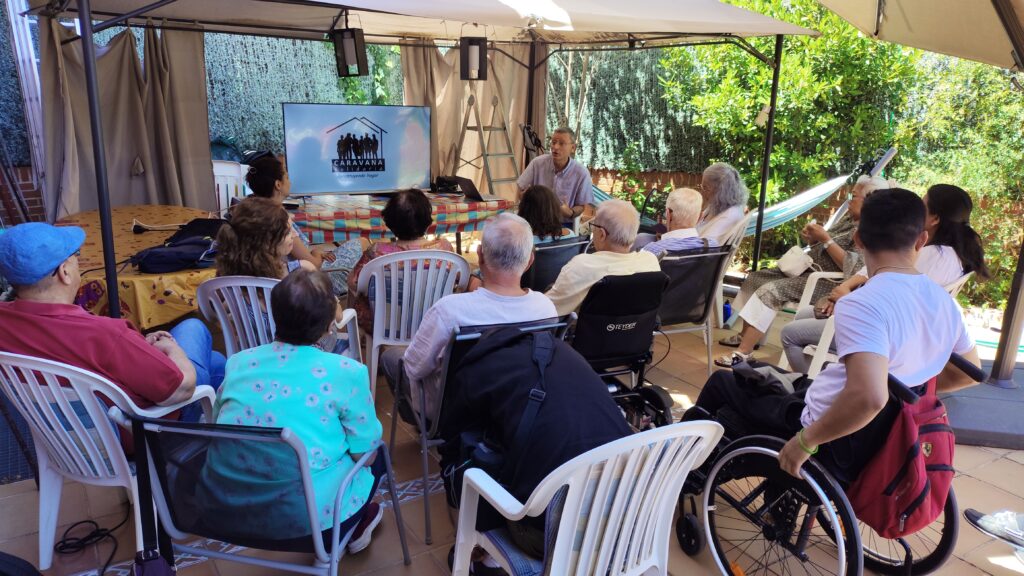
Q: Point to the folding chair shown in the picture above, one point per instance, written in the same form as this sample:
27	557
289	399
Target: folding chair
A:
549	259
428	425
695	278
190	501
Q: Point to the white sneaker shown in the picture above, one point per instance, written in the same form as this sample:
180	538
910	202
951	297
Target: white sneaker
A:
364	531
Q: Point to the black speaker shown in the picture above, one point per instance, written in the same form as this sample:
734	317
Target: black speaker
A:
473	58
350	52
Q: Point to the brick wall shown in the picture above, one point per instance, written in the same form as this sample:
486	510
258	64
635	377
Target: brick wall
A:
33	198
611	180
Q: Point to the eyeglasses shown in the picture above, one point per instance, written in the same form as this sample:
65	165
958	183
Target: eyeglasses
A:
596	225
76	254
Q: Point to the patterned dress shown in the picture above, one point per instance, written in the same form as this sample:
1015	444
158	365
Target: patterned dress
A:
773	289
324	399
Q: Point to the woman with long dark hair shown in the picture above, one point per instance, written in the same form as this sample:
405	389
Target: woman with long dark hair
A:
541	208
953	249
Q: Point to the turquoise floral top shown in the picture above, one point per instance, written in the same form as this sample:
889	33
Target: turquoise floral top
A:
324	399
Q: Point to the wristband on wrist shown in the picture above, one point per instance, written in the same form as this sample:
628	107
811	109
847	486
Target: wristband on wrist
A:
829	244
800	440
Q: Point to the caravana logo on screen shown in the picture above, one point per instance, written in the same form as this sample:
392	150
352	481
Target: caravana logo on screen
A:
360	146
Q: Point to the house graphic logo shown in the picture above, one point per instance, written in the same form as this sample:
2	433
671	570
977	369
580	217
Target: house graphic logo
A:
360	146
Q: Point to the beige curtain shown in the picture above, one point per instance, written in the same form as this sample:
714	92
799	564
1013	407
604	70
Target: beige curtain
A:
432	79
176	112
140	127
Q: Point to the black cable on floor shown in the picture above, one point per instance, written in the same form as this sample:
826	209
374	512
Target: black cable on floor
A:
74	544
667	351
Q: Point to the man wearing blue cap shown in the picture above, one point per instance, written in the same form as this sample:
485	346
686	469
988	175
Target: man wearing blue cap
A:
41	262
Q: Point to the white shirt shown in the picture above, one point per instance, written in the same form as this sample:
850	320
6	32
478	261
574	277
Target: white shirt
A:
907	318
940	263
481	307
583	271
718	228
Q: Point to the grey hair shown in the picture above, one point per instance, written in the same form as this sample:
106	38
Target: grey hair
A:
685	204
728	186
567	131
507	243
620	221
872	183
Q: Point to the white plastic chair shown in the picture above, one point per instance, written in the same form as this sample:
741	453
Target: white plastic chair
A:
228	181
241	305
616	516
73	435
405	286
821	352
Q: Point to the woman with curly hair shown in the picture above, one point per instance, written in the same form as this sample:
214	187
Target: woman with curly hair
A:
256	241
268	178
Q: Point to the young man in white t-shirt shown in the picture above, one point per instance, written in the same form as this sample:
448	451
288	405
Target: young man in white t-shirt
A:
505	252
900	323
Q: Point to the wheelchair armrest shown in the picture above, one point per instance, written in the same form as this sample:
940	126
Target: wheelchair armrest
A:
965	366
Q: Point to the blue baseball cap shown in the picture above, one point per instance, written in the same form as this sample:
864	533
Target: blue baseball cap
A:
29	252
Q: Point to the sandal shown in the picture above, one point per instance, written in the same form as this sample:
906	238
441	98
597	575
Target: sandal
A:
732	359
733	341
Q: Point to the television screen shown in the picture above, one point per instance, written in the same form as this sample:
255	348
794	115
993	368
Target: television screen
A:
348	148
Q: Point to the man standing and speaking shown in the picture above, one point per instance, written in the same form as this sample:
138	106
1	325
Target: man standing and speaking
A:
560	172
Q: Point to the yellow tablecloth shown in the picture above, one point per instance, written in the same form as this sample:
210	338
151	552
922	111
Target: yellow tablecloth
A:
147	300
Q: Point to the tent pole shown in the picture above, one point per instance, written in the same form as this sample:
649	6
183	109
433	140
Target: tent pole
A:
769	136
530	89
1013	316
102	191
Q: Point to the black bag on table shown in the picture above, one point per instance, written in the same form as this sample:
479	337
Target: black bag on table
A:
192	246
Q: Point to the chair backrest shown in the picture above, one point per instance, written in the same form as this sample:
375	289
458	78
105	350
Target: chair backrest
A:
694	278
228	181
463	340
739	231
69	423
549	259
617	319
199	475
241	304
955	286
620	499
405	285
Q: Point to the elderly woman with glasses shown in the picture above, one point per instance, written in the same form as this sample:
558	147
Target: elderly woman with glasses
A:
764	292
725	202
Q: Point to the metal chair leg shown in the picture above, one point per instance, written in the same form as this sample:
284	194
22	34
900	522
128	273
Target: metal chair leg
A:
707	341
393	489
424	455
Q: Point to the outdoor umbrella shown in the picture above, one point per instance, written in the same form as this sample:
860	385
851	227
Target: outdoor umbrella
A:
989	31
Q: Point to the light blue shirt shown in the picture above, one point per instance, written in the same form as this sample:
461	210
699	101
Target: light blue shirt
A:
572	184
682	239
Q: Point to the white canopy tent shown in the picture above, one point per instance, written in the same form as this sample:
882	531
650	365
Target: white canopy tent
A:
547	21
533	24
989	31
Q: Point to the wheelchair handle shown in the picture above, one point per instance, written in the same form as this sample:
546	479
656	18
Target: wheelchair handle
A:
901	391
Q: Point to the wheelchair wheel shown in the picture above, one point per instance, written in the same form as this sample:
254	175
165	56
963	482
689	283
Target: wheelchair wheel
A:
689	534
658	402
931	546
761	520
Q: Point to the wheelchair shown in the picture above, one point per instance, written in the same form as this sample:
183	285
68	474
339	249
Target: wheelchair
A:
759	519
614	332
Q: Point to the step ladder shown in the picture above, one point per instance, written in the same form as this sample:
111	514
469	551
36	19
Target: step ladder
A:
497	115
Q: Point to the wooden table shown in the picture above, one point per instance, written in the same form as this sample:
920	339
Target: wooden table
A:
147	300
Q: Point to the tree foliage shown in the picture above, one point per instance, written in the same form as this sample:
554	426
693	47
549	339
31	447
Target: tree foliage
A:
838	95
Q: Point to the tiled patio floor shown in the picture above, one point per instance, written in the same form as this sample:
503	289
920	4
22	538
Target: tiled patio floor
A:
987	479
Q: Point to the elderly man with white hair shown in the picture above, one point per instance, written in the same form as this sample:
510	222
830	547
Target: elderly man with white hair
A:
682	209
613	231
505	252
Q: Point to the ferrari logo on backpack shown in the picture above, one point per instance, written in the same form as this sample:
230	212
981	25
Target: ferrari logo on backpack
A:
926	449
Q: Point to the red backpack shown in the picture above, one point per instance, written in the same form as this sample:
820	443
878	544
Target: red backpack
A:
904	487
